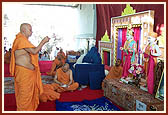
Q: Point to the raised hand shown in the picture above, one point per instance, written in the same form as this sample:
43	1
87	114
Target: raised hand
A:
46	39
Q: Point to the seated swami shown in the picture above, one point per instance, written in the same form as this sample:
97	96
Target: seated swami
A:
64	79
115	71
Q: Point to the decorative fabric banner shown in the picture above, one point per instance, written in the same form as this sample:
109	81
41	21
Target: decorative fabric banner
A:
137	38
124	38
99	104
119	44
139	49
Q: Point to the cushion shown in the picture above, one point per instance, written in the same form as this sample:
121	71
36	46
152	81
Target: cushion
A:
107	67
45	66
95	80
106	72
71	57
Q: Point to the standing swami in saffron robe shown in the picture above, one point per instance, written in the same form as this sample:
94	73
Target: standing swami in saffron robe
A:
64	79
129	52
151	53
25	69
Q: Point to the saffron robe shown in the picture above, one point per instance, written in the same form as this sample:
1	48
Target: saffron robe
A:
49	92
63	57
7	57
115	72
149	68
65	79
55	65
28	84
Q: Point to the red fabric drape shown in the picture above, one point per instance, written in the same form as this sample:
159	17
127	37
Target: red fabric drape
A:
106	11
124	38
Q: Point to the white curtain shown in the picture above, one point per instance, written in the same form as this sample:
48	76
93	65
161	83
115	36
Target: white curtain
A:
45	21
63	22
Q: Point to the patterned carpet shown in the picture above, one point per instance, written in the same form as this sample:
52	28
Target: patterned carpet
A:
9	83
99	104
85	94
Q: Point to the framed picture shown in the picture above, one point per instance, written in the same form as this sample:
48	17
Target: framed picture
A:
160	90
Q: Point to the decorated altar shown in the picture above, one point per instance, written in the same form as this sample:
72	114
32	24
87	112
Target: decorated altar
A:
130	97
136	27
135	93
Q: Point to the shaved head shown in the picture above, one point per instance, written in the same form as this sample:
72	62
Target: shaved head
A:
65	67
26	29
24	26
66	64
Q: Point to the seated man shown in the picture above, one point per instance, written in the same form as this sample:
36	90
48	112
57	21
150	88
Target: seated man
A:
57	63
64	79
115	71
7	56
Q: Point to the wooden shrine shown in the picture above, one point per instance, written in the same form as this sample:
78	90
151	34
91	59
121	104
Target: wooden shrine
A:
143	20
